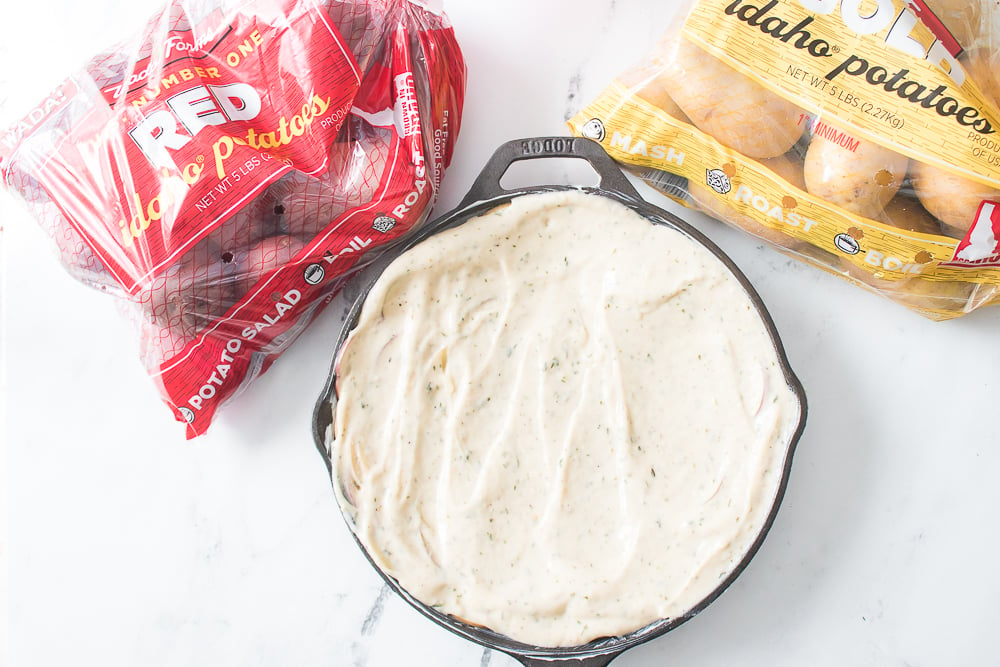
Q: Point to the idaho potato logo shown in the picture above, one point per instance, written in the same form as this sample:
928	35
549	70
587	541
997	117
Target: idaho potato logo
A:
718	180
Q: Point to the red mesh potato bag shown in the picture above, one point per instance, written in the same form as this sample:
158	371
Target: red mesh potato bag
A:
224	171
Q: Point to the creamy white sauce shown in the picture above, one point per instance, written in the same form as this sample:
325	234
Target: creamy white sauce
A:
560	421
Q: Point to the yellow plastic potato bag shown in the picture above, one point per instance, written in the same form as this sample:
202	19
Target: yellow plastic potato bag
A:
860	136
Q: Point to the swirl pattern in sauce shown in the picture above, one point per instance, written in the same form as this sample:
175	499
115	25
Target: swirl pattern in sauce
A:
560	421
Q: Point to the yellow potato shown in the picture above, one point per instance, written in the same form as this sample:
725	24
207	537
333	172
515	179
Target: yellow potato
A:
905	212
719	207
953	296
981	66
862	180
963	18
952	199
876	281
649	83
789	167
720	101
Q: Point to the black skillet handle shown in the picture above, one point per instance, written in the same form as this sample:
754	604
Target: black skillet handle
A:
487	184
592	661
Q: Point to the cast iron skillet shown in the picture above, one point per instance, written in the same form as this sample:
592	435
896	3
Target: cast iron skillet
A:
485	194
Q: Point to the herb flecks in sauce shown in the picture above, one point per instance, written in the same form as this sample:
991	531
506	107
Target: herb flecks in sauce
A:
601	443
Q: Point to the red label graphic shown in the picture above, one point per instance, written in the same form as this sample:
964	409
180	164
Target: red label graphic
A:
930	19
981	245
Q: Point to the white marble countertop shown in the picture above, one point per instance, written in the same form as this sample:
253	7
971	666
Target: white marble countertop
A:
127	545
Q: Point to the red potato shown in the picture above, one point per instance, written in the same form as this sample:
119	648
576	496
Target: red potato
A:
249	225
357	167
302	205
194	291
305	205
360	26
266	256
